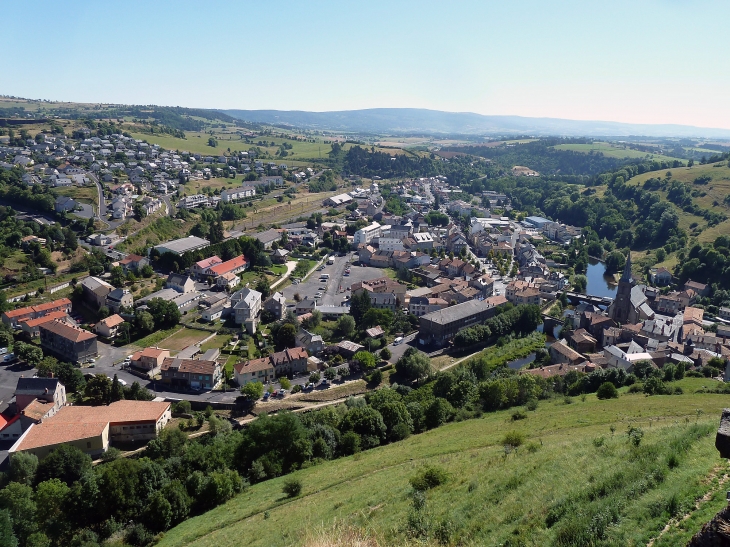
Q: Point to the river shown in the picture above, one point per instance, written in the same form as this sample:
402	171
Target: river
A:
598	283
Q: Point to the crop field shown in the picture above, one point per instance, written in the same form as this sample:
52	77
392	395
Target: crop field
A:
576	469
184	338
611	150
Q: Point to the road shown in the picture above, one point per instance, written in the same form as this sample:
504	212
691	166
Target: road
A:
289	269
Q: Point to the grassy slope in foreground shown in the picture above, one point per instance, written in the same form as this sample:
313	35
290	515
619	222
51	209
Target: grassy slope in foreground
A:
489	498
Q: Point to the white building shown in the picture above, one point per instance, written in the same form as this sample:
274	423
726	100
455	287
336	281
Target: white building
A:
365	235
236	194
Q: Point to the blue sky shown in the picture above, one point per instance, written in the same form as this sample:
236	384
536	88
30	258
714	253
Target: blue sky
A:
643	61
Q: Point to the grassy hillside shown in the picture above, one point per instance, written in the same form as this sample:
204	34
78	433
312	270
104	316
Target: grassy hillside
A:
611	150
573	472
710	195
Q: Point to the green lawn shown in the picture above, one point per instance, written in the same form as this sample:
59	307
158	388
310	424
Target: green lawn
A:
156	337
571	461
217	342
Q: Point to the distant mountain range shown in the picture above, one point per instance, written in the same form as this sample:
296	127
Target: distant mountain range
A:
420	121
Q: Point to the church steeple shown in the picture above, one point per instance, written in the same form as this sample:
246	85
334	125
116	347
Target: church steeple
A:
627	269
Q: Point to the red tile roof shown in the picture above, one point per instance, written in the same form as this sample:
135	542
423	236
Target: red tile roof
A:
40	308
65	330
208	262
45	319
254	365
112	321
194	366
229	265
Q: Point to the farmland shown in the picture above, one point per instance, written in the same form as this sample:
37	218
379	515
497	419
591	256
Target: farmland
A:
571	452
611	150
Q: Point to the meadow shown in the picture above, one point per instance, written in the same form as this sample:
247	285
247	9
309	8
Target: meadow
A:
611	150
576	473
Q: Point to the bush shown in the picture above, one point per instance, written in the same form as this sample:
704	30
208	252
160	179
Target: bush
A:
428	477
636	388
385	354
532	405
181	407
292	488
607	391
513	439
519	415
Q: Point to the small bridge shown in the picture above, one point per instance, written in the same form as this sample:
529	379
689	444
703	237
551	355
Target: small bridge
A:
575	298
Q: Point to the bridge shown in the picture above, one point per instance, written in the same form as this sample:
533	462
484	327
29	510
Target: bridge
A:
575	298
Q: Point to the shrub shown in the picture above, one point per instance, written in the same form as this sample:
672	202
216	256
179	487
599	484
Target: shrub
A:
532	447
292	488
531	405
429	477
385	354
599	442
519	415
181	407
607	391
636	388
635	435
513	439
567	400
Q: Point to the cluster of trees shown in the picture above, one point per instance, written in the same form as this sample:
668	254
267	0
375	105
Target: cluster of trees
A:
519	319
708	263
326	182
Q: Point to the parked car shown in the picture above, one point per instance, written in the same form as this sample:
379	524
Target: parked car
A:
9	357
3	351
266	396
398	340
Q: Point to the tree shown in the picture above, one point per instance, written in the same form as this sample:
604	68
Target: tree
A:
292	488
285	336
253	390
144	321
366	359
284	382
615	262
50	498
29	353
314	377
165	313
98	390
71	377
607	391
359	305
346	325
17	499
263	286
23	467
374	317
580	283
413	365
117	393
147	271
385	354
7	537
118	276
366	422
157	515
330	373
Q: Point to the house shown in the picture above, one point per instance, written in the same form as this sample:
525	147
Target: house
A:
91	428
235	266
48	390
65	203
279	256
133	263
660	276
198	269
215	312
276	304
67	342
13	318
305	306
289	361
381	285
191	373
246	305
237	194
118	299
227	280
180	282
149	359
699	288
438	327
109	327
313	343
32	326
256	370
268	237
367	234
421	305
582	342
562	353
95	291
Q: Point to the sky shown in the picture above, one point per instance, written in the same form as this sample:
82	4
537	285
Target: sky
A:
638	61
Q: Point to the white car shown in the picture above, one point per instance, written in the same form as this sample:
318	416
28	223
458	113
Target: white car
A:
398	340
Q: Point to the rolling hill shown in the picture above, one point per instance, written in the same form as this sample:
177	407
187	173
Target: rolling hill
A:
576	476
418	120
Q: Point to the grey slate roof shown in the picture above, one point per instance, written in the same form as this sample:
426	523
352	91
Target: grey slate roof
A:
31	386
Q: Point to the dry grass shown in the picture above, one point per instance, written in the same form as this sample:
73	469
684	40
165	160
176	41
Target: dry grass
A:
341	535
334	393
184	338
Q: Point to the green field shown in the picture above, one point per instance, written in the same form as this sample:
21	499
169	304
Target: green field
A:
572	469
611	150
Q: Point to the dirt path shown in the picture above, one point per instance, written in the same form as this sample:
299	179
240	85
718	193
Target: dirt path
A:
701	501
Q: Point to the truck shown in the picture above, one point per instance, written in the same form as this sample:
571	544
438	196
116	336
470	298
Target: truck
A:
331	260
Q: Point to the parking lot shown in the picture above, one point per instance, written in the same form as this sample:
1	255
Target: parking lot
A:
334	290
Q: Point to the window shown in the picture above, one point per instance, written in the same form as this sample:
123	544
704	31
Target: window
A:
88	444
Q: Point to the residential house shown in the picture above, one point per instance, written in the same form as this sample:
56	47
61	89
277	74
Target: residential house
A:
279	256
660	276
197	270
48	390
289	361
149	359
582	342
68	342
381	285
235	266
367	234
246	305
305	306
191	373
237	194
13	318
562	353
95	291
257	370
118	299
421	305
268	237
133	263
109	326
180	282
699	288
227	280
32	326
276	304
313	343
216	311
65	203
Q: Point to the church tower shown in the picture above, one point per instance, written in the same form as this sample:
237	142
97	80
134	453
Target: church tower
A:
621	307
